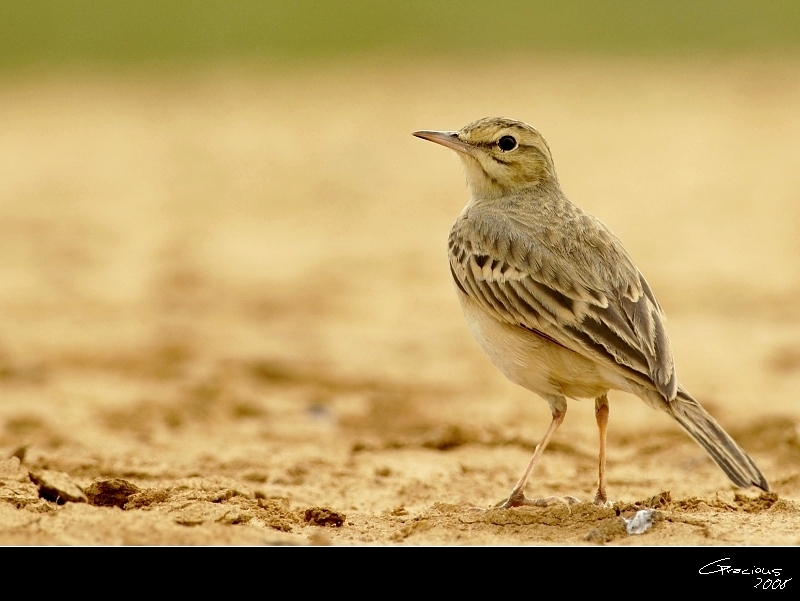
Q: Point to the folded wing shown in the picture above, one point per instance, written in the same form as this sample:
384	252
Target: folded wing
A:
567	295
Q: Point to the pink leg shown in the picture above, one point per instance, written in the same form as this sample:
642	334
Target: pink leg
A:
517	497
601	413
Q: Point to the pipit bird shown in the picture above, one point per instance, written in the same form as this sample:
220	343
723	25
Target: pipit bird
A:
555	300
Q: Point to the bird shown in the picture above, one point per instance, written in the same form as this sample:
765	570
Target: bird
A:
553	298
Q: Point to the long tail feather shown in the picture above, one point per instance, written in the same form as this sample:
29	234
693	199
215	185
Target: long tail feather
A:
718	444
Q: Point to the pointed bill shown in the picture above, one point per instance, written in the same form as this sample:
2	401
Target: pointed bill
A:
446	138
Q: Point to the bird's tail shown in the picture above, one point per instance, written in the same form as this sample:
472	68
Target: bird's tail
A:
718	444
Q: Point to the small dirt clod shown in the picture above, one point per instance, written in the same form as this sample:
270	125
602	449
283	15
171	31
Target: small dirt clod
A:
57	486
111	493
324	516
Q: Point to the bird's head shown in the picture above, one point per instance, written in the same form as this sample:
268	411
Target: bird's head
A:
500	155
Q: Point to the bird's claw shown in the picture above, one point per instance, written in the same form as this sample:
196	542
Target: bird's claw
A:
521	500
600	500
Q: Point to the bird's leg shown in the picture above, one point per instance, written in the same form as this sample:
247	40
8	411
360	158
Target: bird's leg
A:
517	498
601	413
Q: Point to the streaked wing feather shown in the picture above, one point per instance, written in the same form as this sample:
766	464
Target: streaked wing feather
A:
616	321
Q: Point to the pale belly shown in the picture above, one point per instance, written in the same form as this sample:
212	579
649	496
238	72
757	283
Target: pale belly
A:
536	363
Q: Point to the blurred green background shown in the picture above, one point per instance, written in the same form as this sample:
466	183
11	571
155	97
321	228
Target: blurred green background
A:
133	32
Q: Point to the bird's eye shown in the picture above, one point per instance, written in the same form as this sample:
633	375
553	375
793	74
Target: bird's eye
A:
507	143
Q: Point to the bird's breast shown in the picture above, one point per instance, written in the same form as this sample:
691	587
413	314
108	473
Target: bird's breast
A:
530	360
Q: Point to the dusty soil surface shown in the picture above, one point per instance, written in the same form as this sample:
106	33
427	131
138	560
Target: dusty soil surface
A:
226	315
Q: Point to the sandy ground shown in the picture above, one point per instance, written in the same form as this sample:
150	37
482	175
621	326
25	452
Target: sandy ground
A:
226	315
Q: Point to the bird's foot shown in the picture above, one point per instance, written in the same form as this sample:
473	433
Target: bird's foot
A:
520	500
600	500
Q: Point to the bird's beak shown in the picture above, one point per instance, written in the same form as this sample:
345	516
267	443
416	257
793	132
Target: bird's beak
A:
447	138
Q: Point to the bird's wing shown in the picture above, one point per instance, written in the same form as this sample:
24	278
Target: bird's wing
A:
586	296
